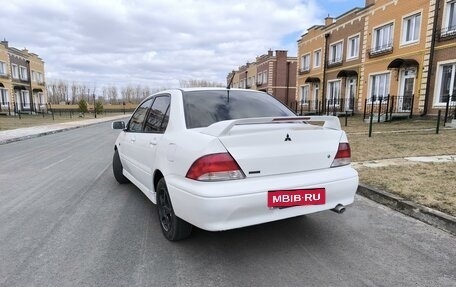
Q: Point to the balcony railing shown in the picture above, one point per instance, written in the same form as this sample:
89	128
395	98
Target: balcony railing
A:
334	62
304	70
381	50
447	33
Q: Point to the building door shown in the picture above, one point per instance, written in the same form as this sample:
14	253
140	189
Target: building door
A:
350	94
18	100
406	93
314	100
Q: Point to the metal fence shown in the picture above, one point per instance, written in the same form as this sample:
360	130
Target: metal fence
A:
15	109
328	107
450	108
386	108
12	109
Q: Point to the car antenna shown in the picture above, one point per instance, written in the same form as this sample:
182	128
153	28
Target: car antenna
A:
228	87
230	82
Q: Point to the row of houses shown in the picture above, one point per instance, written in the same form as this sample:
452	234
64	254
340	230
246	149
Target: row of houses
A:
22	82
395	53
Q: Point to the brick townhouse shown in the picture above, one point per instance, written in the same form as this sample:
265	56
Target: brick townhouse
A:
384	53
22	83
330	54
271	73
442	80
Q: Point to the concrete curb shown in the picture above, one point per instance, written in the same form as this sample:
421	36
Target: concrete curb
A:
425	214
58	130
7	141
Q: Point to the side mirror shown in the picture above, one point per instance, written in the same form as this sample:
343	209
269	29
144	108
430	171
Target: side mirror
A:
118	125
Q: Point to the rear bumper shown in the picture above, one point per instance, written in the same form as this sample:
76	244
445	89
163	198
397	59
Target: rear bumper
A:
216	206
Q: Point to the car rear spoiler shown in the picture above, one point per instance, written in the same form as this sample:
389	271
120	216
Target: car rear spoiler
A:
222	128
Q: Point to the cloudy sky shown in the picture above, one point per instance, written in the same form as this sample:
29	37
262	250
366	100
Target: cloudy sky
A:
157	42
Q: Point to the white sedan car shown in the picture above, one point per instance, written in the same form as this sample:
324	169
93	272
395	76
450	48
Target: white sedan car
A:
220	159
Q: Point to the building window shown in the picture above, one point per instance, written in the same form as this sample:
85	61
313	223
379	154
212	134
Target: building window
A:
304	94
353	47
2	68
15	71
379	87
25	99
3	96
335	53
333	92
305	63
317	58
411	29
23	73
265	77
259	79
447	82
383	38
450	17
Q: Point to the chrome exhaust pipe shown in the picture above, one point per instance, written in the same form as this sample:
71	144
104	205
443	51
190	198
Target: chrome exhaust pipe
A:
339	209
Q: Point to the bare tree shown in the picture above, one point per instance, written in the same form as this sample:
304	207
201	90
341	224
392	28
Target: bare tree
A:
198	83
110	94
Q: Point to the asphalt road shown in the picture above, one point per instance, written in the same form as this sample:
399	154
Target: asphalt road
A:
64	221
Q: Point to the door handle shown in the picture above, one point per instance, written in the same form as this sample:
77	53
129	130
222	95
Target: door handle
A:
153	142
133	140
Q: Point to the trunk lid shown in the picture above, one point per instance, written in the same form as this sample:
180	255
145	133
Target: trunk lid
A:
280	148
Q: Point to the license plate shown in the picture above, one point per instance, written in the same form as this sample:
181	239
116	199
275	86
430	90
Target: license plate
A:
296	197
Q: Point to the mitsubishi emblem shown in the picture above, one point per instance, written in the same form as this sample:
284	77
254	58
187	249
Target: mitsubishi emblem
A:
288	139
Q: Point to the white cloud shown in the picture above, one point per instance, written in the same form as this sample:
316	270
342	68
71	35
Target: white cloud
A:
152	42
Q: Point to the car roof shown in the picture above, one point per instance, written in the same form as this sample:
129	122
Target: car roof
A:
170	91
213	89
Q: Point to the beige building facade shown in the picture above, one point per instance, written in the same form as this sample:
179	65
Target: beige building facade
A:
22	81
397	55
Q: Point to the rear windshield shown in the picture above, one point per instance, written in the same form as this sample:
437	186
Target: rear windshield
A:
203	108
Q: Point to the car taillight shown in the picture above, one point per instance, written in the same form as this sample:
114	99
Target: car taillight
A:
343	156
215	167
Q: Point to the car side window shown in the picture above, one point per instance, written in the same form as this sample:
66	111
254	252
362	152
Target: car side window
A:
137	120
158	117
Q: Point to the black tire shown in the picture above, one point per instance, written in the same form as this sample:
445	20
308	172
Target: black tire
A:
173	227
117	169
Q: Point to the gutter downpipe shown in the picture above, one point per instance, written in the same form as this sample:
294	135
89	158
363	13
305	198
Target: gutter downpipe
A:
323	90
431	58
288	82
29	74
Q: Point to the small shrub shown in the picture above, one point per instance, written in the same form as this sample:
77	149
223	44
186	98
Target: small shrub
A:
98	107
83	106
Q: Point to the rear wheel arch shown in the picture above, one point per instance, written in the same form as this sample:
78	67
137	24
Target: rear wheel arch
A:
173	227
156	178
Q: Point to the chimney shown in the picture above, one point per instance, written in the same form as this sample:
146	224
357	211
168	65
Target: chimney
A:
281	53
370	2
329	20
4	43
270	53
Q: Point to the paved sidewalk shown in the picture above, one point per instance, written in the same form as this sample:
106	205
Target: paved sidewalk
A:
405	161
9	136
